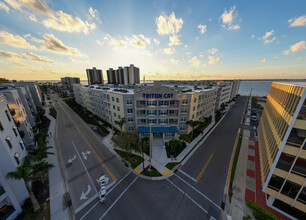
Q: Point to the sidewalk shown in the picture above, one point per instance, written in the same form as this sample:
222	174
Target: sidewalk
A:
58	209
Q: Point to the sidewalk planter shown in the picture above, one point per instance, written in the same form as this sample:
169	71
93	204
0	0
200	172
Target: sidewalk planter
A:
261	213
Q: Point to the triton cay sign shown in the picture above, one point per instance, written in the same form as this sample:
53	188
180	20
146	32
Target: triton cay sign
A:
157	96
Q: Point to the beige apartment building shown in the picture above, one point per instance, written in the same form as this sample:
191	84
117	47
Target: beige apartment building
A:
281	138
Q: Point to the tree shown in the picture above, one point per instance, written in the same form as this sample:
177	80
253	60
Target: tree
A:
40	170
193	124
120	123
128	142
24	172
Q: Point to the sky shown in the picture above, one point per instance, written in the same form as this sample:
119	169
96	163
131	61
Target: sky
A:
174	40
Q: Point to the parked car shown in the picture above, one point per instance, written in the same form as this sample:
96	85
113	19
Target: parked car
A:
253	112
254	120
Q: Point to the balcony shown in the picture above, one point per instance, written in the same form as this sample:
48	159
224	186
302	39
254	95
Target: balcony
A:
2	191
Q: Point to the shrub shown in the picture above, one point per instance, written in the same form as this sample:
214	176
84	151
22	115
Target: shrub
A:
260	212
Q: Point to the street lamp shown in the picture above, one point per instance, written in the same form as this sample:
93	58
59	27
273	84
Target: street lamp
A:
150	146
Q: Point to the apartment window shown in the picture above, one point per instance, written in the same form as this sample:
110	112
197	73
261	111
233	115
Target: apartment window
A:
7	115
129	101
163	103
152	121
15	131
291	189
113	99
119	116
117	99
151	112
195	100
16	156
1	126
163	112
129	110
142	103
193	108
141	112
183	118
184	110
130	119
114	107
185	101
118	108
115	115
276	182
8	141
192	116
152	103
162	121
131	128
21	145
173	121
182	128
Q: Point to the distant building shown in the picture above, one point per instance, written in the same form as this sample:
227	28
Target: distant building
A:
282	148
67	82
128	75
94	76
235	88
13	193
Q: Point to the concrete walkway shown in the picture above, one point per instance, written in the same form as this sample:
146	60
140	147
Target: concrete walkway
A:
58	208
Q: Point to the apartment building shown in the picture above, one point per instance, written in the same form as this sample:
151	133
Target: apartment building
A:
67	82
223	94
94	76
235	88
166	108
282	147
127	75
12	150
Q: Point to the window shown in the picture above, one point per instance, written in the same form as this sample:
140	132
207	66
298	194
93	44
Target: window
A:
131	128
195	100
193	108
129	101
184	110
114	114
16	156
118	108
117	99
152	121
8	141
183	118
142	103
182	128
114	107
151	103
151	112
1	127
113	99
185	101
15	131
162	121
21	145
163	103
129	110
7	115
163	112
192	116
130	119
291	189
119	116
173	121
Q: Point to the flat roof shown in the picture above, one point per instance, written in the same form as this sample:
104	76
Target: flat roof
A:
301	84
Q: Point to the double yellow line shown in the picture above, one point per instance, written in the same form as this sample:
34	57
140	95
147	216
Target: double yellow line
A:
89	145
204	168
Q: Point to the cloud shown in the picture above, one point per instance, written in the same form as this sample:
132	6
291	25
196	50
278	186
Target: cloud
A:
136	41
37	58
174	40
195	62
299	58
65	22
169	50
202	28
32	18
185	45
264	61
94	14
213	60
295	48
15	41
39	7
11	56
100	43
300	21
275	58
4	7
173	61
253	36
268	37
168	24
53	44
212	50
156	41
228	19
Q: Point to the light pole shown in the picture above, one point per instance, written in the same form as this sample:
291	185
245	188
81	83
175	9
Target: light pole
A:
150	147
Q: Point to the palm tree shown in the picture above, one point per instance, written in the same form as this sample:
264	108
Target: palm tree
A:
40	170
24	172
41	152
120	123
193	124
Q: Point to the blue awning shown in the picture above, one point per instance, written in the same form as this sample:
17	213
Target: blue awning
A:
171	129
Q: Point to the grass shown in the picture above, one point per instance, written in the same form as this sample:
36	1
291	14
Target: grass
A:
234	165
134	160
53	112
178	147
170	166
153	172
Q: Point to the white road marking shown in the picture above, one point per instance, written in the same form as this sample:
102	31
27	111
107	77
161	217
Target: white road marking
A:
199	192
187	175
85	154
105	213
84	195
72	159
84	167
197	204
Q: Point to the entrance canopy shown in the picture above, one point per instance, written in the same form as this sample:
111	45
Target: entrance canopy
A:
171	129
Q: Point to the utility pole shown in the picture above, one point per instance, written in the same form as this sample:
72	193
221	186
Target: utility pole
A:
150	147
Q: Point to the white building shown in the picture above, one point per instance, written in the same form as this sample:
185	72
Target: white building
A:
67	82
128	75
12	150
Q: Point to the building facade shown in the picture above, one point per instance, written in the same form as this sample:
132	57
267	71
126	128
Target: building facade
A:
282	148
128	75
12	150
67	82
94	76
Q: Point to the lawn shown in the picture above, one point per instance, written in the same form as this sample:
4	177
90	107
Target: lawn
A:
134	161
153	172
170	166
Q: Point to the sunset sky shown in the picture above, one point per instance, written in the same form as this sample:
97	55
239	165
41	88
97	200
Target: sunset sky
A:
177	40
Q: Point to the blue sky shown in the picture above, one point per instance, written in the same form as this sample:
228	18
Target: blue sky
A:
166	39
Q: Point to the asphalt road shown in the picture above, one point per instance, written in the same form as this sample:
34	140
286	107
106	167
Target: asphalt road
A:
213	156
131	197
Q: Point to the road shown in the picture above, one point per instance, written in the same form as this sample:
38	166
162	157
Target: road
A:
131	197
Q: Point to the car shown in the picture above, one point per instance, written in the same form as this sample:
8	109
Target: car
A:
102	194
254	119
253	112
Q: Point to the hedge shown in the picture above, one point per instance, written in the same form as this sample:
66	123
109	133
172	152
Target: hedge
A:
260	212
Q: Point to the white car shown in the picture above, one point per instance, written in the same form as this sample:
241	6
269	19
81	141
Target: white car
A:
102	194
102	183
